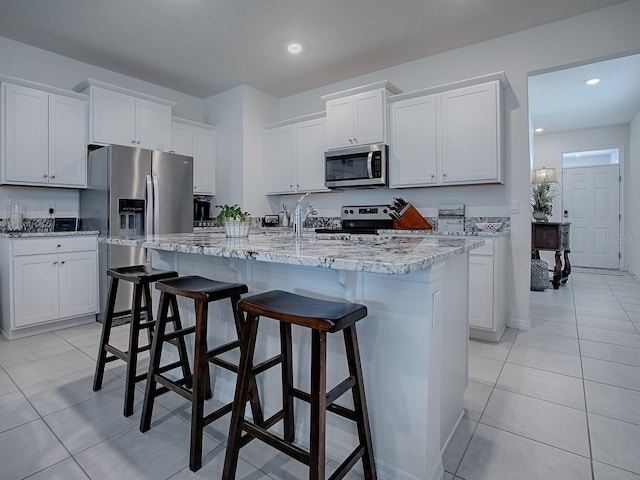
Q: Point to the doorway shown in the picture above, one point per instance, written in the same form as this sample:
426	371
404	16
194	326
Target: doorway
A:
591	203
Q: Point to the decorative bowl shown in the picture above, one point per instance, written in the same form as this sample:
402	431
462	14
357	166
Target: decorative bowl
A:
488	226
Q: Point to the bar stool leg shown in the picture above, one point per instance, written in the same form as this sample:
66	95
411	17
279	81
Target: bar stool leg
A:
106	333
359	401
134	339
254	396
318	420
154	362
200	370
247	348
287	381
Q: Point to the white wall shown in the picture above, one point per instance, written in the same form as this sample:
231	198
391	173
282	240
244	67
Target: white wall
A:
632	199
240	115
581	39
29	63
548	150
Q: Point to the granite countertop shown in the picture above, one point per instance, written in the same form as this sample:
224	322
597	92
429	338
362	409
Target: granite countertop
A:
8	234
442	233
366	253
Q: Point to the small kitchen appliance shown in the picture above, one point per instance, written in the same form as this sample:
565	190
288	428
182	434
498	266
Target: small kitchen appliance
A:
451	217
363	219
201	209
363	167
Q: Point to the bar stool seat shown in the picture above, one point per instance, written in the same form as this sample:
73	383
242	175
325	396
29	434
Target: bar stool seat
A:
321	317
141	276
202	291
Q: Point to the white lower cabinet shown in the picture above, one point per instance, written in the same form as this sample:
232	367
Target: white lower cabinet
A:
487	316
46	281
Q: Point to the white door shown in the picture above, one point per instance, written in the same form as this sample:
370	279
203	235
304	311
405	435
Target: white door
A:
591	198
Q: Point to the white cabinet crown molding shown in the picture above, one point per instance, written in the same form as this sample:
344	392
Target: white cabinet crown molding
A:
499	76
301	118
42	87
90	82
193	123
363	88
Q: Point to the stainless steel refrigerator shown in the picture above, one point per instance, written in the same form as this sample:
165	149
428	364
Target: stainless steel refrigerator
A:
133	191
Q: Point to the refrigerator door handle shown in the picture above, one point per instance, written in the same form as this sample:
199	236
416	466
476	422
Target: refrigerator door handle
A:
148	220
156	204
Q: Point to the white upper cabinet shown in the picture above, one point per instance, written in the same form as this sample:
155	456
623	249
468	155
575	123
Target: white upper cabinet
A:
414	142
294	156
471	134
123	117
357	116
43	137
197	140
452	137
67	141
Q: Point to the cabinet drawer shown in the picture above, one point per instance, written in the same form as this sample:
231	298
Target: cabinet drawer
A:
33	246
486	249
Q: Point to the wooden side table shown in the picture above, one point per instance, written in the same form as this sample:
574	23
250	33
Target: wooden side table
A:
553	236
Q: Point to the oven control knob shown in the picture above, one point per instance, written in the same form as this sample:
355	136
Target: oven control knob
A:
346	211
350	211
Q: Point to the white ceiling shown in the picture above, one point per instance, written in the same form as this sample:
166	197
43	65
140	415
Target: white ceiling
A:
203	47
560	100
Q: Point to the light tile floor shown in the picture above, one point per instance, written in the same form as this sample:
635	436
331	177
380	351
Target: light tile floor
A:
560	401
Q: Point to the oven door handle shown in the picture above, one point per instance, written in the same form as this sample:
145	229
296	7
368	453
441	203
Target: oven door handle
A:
370	164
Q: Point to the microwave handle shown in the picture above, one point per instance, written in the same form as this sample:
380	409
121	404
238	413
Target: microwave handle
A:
370	164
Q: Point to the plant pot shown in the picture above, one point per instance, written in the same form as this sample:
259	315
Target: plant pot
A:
540	216
236	228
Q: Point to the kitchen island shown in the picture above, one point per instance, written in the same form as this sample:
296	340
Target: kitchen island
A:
413	342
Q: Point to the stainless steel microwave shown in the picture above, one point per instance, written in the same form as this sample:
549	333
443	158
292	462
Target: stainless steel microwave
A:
364	166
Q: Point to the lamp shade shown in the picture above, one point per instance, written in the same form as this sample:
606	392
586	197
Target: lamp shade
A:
544	174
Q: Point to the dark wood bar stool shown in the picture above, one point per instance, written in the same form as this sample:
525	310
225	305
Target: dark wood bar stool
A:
202	291
141	276
321	317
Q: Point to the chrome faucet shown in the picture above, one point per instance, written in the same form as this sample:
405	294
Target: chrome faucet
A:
300	215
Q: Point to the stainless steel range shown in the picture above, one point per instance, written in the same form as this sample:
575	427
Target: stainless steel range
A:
364	219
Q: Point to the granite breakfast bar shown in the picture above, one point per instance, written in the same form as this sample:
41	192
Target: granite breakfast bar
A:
413	342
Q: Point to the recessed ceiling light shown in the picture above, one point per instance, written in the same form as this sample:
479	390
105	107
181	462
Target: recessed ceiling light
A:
294	48
592	81
538	130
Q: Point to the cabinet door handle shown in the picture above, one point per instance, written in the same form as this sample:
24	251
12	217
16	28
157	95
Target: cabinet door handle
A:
444	175
355	140
45	175
59	245
133	141
53	176
138	142
62	262
433	175
55	263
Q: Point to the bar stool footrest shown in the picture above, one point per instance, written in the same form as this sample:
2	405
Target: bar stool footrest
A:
276	442
348	464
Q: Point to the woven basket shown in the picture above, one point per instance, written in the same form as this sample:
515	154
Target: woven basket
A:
539	275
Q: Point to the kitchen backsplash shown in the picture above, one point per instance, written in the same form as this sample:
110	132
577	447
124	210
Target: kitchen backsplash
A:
46	224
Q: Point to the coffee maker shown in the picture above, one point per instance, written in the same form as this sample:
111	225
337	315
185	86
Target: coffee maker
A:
201	209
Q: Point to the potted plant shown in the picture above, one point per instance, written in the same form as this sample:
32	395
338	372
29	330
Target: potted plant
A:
235	221
542	196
